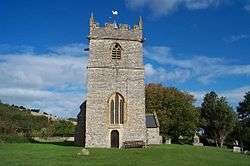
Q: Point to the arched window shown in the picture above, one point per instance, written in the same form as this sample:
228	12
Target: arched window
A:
116	51
116	109
112	111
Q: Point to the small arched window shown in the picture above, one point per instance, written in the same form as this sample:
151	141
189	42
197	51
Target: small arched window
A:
116	109
116	51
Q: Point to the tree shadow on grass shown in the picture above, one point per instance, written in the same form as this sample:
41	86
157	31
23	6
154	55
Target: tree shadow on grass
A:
63	143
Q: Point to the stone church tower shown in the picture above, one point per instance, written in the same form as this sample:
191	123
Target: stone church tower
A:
115	108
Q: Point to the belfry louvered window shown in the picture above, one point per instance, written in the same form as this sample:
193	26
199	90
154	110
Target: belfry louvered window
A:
116	109
116	51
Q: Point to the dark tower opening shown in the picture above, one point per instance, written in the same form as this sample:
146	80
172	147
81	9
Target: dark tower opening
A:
114	139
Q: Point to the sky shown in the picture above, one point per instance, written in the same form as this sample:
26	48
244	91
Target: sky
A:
196	46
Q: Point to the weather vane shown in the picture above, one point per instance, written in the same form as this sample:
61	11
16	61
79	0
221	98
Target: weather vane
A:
114	14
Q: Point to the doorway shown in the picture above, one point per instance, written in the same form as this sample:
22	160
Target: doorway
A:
114	139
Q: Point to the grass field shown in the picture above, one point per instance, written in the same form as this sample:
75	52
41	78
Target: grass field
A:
28	154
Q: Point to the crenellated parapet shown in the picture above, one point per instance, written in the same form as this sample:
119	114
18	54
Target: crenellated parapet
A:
115	31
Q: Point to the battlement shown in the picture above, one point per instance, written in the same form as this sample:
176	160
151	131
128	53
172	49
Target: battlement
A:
115	31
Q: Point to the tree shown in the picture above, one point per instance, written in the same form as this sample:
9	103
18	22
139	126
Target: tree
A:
243	111
217	118
176	113
64	128
244	108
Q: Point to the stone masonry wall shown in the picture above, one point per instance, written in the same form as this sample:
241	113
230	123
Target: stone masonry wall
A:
153	136
81	126
107	76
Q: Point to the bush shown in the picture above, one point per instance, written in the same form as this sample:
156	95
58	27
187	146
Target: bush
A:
175	110
4	138
64	128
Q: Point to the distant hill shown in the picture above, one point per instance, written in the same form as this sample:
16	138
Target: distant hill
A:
18	123
16	120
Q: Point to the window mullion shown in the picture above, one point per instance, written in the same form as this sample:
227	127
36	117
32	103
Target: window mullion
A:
118	110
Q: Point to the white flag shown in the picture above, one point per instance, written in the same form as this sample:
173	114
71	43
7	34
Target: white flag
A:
114	12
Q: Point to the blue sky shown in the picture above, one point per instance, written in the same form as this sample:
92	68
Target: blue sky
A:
194	45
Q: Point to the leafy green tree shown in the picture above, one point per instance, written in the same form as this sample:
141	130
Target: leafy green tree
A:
64	128
217	118
244	108
176	113
243	111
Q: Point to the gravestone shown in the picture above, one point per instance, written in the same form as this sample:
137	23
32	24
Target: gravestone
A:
168	141
196	141
83	152
247	152
236	147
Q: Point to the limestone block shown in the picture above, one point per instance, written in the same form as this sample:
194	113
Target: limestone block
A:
236	149
83	152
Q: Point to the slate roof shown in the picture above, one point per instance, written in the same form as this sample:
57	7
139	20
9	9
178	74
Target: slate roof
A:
151	121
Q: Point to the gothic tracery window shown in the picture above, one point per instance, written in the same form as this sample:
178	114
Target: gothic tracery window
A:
116	51
116	109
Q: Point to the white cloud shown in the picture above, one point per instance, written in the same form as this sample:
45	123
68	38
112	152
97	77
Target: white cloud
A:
25	94
201	68
234	96
160	74
74	49
247	7
64	104
164	7
149	70
235	38
53	82
29	70
6	48
201	4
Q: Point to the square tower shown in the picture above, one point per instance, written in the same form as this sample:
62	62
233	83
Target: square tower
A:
115	108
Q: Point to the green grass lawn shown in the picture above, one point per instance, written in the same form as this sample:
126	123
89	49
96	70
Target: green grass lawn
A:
27	154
